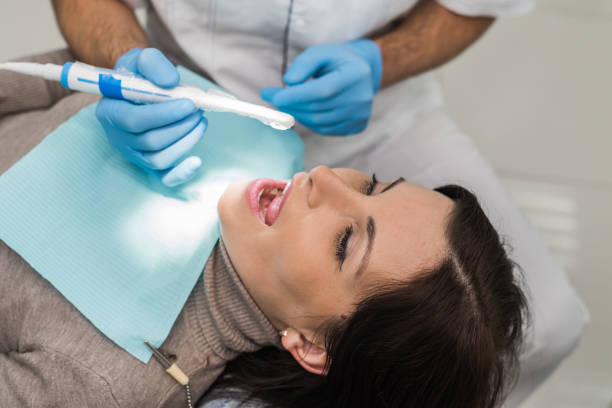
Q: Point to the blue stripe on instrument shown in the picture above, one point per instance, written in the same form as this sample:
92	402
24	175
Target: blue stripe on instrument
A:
64	77
146	92
87	81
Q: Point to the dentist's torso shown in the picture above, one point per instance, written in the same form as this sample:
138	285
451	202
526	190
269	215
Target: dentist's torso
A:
246	45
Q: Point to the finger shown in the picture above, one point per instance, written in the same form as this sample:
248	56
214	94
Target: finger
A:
166	158
140	118
128	60
308	63
316	89
268	93
344	129
162	137
154	66
347	96
327	118
181	173
314	106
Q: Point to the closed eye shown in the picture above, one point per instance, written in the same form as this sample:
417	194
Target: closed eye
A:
342	239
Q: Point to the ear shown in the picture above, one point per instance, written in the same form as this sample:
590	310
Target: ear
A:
310	356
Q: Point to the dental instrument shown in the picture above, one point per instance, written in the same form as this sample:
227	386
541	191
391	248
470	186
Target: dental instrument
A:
126	85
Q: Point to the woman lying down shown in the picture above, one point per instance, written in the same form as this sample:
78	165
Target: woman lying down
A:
341	291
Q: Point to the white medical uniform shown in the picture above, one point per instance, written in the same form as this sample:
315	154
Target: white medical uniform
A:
243	45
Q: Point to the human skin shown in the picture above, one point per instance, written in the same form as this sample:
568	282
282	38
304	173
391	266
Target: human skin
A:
291	267
100	31
425	38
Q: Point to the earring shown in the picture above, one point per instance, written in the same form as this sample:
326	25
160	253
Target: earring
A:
282	333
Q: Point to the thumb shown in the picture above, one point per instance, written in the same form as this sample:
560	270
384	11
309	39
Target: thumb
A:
155	67
181	173
308	63
128	61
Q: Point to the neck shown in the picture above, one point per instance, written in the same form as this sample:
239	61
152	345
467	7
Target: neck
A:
224	315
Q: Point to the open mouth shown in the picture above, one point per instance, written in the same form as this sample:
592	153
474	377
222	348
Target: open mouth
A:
266	198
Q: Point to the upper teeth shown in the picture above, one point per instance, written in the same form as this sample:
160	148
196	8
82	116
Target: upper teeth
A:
264	189
282	193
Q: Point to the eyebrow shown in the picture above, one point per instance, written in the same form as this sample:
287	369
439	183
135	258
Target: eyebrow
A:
371	232
390	186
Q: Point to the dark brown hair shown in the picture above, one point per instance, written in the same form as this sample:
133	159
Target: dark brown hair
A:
448	338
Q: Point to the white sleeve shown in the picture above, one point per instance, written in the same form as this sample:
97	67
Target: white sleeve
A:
490	8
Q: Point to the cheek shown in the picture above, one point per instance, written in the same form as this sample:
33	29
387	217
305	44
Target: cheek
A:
298	267
308	274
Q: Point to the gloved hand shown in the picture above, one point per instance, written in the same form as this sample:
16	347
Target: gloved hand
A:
156	136
338	98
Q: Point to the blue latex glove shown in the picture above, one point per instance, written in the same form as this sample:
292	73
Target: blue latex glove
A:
338	98
157	136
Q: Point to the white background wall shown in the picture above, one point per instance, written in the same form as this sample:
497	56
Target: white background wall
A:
535	94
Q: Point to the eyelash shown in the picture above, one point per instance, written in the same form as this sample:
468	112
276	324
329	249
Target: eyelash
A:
341	243
343	236
368	185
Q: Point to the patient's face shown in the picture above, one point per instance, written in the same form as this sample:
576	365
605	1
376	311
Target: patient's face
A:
330	242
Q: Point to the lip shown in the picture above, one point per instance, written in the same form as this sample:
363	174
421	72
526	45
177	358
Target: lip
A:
286	195
254	188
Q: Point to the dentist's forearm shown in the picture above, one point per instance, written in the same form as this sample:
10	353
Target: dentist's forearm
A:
99	31
428	36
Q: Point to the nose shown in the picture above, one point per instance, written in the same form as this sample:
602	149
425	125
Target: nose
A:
329	189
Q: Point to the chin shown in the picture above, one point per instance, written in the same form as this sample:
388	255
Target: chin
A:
224	210
231	209
229	202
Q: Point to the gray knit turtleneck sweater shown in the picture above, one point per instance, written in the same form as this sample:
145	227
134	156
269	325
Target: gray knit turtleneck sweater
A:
51	356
